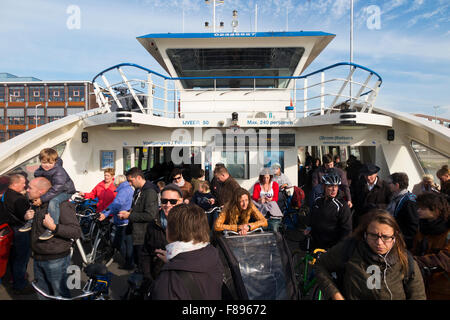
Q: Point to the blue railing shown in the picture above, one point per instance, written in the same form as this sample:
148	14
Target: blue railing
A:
239	77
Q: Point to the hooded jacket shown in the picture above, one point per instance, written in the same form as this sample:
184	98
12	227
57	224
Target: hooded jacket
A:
361	270
59	178
207	271
67	229
122	202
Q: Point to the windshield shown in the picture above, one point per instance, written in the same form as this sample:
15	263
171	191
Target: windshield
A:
219	62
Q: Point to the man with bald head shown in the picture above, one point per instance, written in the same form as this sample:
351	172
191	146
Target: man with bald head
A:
51	257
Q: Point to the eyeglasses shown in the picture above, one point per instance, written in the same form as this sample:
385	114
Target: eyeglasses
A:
177	178
375	237
172	201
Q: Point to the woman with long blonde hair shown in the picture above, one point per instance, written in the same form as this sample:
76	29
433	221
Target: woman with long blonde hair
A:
237	213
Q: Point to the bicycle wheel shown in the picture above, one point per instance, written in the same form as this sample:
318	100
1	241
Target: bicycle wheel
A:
103	249
298	264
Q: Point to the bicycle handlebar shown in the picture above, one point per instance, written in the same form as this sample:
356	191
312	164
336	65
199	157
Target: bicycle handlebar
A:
41	292
226	232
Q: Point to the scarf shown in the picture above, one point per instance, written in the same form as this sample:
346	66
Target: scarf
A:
178	247
180	183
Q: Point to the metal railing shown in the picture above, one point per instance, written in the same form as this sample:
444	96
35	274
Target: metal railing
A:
160	95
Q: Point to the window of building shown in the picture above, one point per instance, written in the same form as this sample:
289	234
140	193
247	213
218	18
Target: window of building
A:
430	160
76	93
36	94
16	116
32	164
2	116
15	133
2	136
2	93
17	94
40	120
237	163
56	93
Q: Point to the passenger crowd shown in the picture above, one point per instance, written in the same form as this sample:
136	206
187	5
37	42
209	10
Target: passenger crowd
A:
165	230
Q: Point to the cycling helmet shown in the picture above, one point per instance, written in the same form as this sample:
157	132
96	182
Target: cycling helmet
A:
331	179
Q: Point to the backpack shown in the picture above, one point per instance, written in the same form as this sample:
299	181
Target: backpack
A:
349	248
297	198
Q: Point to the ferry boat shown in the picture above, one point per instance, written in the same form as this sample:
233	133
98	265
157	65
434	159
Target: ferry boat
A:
240	98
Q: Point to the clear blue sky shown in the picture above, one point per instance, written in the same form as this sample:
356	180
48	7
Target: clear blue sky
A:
409	46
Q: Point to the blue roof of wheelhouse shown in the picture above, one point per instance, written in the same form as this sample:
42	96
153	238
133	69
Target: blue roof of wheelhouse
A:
238	34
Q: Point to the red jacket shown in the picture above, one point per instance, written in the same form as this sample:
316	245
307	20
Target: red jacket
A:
257	191
105	196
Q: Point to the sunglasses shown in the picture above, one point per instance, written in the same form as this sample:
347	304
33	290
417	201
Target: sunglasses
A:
172	201
177	178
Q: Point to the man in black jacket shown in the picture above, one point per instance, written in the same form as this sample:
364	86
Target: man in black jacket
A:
52	256
15	205
143	210
403	207
330	220
371	192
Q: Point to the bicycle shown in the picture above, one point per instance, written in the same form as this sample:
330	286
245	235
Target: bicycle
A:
102	250
85	211
96	287
303	262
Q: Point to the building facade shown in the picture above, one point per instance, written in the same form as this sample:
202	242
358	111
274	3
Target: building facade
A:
28	102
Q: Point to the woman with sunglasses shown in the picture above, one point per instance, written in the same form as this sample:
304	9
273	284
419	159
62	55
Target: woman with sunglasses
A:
185	186
153	250
373	264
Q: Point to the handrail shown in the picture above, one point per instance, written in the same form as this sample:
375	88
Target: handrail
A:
239	77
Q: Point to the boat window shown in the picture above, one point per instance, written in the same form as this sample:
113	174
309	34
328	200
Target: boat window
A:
236	62
31	165
237	163
430	160
270	157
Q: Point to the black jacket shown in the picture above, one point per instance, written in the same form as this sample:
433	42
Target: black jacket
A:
15	205
67	229
365	200
143	210
331	221
207	271
60	180
407	218
155	238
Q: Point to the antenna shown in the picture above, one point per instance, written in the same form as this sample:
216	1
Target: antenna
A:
351	45
256	17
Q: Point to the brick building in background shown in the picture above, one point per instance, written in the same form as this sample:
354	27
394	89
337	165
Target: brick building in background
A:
27	100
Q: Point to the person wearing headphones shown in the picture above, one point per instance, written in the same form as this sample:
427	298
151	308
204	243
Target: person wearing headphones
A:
330	220
373	264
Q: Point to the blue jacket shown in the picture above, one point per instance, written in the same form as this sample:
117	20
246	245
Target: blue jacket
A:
61	182
122	201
